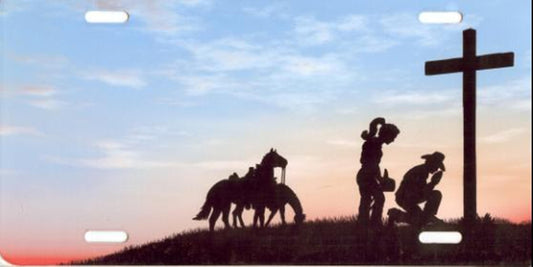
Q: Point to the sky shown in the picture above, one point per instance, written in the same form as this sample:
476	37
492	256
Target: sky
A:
126	127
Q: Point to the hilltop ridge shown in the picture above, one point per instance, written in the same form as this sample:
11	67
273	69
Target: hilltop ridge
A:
328	241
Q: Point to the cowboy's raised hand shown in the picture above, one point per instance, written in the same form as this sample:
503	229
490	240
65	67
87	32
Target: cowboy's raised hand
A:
435	179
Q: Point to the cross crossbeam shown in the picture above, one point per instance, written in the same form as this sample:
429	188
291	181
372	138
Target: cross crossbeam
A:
484	62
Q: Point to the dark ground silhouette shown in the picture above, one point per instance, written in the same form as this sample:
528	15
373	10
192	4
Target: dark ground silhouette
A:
331	241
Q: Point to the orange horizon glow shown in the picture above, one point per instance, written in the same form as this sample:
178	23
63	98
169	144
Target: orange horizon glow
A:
37	259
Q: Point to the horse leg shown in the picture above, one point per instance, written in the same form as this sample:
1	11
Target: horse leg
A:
214	217
282	214
235	214
256	216
272	213
262	217
225	215
239	216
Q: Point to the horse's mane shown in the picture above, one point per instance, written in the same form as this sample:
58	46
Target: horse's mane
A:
263	160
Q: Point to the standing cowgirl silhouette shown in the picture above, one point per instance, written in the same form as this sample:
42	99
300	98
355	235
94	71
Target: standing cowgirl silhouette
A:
369	176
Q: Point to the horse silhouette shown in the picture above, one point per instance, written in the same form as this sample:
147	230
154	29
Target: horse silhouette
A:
263	189
245	201
260	189
219	198
284	195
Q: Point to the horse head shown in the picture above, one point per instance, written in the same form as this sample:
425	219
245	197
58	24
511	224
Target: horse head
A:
272	159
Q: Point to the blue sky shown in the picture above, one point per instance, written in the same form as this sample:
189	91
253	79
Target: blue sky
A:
188	91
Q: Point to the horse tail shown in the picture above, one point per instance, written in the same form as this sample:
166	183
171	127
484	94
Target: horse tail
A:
206	208
204	212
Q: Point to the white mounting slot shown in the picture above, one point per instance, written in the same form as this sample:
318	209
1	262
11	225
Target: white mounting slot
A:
448	17
440	237
106	16
106	236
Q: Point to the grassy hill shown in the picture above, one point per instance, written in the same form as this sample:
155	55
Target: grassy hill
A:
331	241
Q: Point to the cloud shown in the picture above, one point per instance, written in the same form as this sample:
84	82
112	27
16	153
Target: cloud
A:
38	90
369	43
348	110
503	136
522	105
203	84
422	145
233	54
526	59
195	3
41	96
354	33
306	66
11	130
131	152
375	33
151	133
264	12
117	155
4	90
314	32
229	165
48	104
513	94
165	18
407	26
230	54
278	71
449	110
257	71
120	78
344	143
36	95
352	23
179	102
10	7
414	98
4	173
45	61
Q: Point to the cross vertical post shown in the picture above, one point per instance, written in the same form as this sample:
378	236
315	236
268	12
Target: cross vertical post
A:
469	125
469	64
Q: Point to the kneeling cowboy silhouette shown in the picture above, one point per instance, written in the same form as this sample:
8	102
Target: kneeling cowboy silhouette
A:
414	190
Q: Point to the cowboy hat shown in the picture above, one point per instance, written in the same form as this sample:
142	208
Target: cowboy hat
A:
437	158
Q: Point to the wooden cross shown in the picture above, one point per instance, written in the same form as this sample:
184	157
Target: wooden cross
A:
468	65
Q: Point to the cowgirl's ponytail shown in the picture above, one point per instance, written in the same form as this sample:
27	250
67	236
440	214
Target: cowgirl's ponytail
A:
373	128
